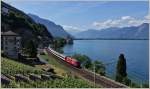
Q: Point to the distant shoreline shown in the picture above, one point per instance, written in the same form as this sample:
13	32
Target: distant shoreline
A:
105	39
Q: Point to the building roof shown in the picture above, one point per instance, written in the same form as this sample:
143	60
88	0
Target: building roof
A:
9	33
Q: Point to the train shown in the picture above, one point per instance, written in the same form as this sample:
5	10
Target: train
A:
67	59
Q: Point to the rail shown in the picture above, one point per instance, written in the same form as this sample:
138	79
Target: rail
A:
98	80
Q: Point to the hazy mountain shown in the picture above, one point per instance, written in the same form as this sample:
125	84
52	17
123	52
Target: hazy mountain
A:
133	32
55	30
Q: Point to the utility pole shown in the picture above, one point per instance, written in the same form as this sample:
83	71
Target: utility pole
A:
141	84
94	75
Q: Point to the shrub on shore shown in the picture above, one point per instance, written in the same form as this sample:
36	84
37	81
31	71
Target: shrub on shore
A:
95	66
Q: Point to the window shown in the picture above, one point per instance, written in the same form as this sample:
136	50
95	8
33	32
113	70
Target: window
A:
15	42
6	42
10	40
6	38
14	48
6	48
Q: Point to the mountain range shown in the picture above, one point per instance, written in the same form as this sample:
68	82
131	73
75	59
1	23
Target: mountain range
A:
133	32
54	29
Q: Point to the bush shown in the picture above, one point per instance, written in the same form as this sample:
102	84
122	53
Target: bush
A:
126	81
42	53
84	60
80	58
58	43
3	55
99	67
145	85
87	63
134	85
31	49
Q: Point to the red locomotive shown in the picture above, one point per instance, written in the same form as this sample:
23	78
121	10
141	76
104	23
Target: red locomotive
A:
72	62
65	58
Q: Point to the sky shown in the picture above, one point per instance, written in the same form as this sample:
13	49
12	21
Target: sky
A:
77	16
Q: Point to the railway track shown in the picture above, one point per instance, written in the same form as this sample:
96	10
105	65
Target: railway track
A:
97	79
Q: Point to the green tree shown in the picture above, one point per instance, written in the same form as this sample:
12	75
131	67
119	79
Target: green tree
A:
145	85
121	68
84	60
58	43
88	64
80	58
31	49
99	67
126	81
18	21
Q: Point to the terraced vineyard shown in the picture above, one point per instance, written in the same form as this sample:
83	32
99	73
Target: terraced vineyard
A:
64	83
11	68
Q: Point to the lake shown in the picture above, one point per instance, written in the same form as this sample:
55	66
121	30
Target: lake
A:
136	53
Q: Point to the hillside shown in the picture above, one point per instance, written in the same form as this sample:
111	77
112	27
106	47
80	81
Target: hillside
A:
56	30
134	32
20	23
11	68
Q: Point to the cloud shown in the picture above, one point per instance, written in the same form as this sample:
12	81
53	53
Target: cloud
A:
126	17
147	17
124	21
69	28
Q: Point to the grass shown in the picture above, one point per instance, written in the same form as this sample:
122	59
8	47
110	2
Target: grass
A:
53	61
60	70
11	67
67	82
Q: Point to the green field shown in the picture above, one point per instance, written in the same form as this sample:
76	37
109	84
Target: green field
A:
59	69
53	62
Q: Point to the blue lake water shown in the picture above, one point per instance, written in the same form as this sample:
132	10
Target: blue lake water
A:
136	53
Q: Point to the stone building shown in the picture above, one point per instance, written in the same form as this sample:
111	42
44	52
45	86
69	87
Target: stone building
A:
10	43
